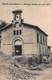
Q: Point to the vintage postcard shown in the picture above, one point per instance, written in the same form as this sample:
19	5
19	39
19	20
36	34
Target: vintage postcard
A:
25	40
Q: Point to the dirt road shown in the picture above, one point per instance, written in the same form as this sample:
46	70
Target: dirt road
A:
9	72
44	75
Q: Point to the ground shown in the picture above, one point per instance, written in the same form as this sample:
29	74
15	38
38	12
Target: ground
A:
11	71
44	75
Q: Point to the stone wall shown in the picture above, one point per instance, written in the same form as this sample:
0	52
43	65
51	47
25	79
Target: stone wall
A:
6	42
30	40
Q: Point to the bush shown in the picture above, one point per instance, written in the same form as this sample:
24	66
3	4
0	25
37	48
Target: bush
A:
34	60
30	61
45	59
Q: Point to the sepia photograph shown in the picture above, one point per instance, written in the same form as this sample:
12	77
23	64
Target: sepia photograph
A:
25	40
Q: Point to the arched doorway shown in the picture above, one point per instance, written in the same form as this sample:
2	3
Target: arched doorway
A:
18	47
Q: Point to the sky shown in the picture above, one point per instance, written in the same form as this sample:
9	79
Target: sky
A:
40	15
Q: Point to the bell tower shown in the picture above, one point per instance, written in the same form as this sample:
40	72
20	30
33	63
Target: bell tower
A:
17	32
17	22
17	16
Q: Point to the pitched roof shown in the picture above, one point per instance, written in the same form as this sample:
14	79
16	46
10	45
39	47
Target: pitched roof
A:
35	27
2	24
2	27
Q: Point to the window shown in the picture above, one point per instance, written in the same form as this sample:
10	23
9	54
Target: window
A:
41	39
44	40
43	51
17	32
0	36
0	41
20	32
37	38
40	49
14	32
